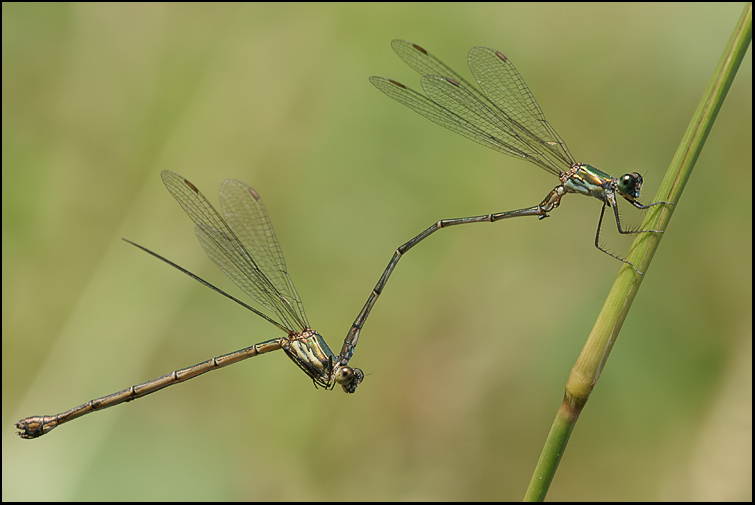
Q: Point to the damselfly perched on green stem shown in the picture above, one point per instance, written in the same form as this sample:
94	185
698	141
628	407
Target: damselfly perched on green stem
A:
506	117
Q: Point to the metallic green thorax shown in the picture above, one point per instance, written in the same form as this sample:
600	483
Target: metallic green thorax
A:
589	181
586	180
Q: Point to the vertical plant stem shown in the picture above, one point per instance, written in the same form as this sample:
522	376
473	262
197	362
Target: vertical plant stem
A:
589	365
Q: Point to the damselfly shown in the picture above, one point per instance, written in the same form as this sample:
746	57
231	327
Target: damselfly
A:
243	244
506	117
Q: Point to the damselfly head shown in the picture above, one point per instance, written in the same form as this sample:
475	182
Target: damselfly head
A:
349	378
629	185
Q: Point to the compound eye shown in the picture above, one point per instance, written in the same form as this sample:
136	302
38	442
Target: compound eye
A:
630	184
344	375
349	378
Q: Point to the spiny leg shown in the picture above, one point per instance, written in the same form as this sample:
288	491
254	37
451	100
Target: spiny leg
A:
639	206
621	230
597	238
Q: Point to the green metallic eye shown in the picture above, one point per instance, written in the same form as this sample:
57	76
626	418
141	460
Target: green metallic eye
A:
630	184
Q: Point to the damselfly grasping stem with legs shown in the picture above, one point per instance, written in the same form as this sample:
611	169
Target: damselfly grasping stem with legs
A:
506	117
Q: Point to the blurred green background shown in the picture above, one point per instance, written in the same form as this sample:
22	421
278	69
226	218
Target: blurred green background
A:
469	348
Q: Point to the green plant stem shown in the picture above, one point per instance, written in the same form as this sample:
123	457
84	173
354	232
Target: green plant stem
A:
589	365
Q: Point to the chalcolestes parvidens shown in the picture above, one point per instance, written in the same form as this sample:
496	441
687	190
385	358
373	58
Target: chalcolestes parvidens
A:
506	117
243	244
